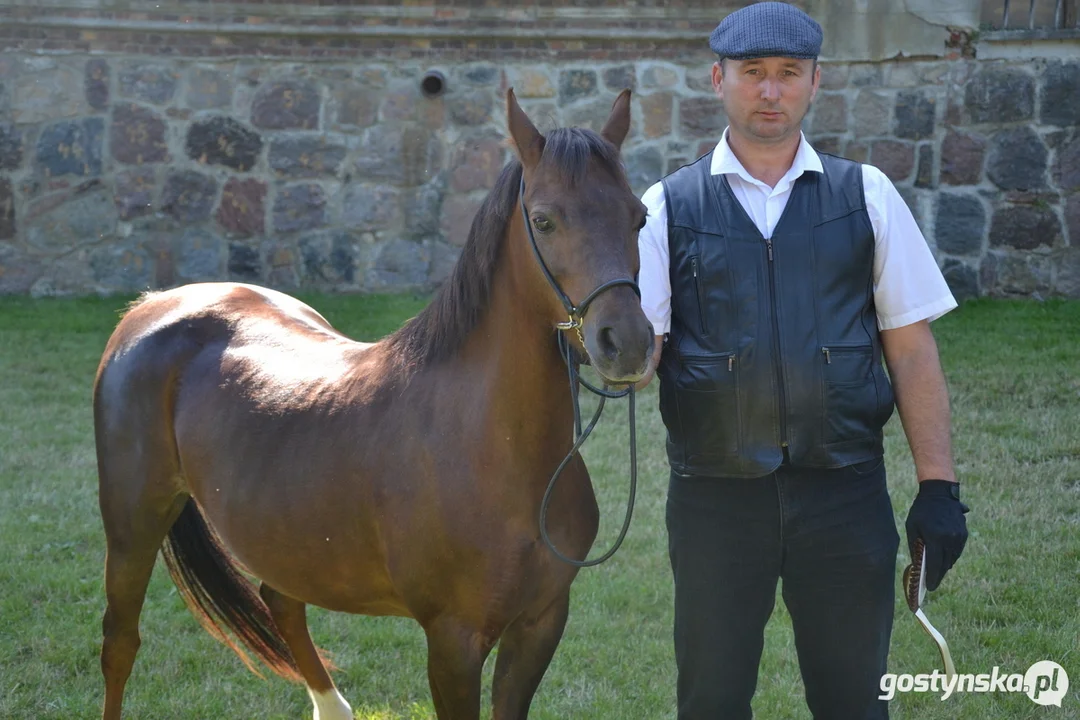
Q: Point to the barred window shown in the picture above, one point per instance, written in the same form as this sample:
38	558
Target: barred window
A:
1030	16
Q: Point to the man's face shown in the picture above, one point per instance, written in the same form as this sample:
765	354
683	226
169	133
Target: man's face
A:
766	99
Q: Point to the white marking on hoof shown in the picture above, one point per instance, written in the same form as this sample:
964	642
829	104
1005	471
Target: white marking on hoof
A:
329	705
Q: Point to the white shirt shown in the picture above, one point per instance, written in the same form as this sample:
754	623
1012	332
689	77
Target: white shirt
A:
908	285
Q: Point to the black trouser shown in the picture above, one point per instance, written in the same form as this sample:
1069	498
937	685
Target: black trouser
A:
830	536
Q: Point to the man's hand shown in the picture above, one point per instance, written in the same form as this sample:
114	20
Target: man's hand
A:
937	516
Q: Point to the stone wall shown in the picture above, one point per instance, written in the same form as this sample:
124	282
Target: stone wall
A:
122	173
986	154
124	167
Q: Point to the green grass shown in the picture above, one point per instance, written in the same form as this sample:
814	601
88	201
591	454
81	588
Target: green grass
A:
1014	598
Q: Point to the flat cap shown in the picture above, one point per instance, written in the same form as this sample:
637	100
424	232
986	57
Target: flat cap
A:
767	29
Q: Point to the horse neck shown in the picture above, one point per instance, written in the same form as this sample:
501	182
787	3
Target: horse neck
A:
515	343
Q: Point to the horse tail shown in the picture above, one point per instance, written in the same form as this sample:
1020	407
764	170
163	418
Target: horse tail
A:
220	596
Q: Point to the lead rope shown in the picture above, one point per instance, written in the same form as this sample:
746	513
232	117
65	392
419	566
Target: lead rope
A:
580	436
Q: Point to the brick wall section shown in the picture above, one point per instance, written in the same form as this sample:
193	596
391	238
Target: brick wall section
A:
121	170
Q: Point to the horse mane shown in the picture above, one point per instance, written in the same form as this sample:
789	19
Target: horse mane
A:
440	329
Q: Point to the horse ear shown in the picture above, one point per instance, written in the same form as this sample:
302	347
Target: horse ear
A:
529	141
618	123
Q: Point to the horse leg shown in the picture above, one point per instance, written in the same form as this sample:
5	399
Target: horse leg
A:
290	616
525	651
456	655
133	536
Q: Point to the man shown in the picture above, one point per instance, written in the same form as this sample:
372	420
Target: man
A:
776	279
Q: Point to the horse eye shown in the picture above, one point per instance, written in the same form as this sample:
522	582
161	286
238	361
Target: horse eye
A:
542	224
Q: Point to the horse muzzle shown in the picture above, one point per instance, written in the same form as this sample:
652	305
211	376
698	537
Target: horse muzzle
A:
618	338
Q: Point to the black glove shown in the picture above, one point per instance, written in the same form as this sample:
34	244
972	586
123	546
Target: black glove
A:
937	516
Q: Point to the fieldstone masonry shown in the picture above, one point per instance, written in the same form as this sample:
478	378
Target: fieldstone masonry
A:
119	174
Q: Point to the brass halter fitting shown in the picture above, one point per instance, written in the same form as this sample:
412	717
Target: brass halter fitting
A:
573	324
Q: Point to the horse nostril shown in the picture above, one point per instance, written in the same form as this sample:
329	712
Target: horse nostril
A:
609	343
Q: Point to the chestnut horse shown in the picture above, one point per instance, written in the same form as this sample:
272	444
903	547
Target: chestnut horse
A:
243	435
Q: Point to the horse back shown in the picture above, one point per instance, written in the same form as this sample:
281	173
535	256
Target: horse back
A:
212	310
255	391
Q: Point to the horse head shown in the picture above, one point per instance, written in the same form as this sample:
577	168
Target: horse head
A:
581	218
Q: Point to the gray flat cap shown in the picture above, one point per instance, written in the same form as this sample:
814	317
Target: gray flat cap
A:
767	29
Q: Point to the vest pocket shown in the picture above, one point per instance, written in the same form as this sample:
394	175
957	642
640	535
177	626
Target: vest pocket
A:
850	393
707	395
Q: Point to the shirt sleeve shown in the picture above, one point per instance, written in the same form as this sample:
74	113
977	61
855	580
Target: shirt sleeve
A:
654	278
908	284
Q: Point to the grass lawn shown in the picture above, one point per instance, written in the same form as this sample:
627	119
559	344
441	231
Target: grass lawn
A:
1013	599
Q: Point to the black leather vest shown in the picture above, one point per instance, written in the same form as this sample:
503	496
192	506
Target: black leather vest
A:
774	343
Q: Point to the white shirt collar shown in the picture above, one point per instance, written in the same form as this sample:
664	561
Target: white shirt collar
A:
724	161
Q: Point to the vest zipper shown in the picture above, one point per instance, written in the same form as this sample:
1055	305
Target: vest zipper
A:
700	296
776	347
711	358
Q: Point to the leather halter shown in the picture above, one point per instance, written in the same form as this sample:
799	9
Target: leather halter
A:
575	318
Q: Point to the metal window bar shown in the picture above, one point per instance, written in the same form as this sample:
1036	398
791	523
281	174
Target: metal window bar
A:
1061	13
